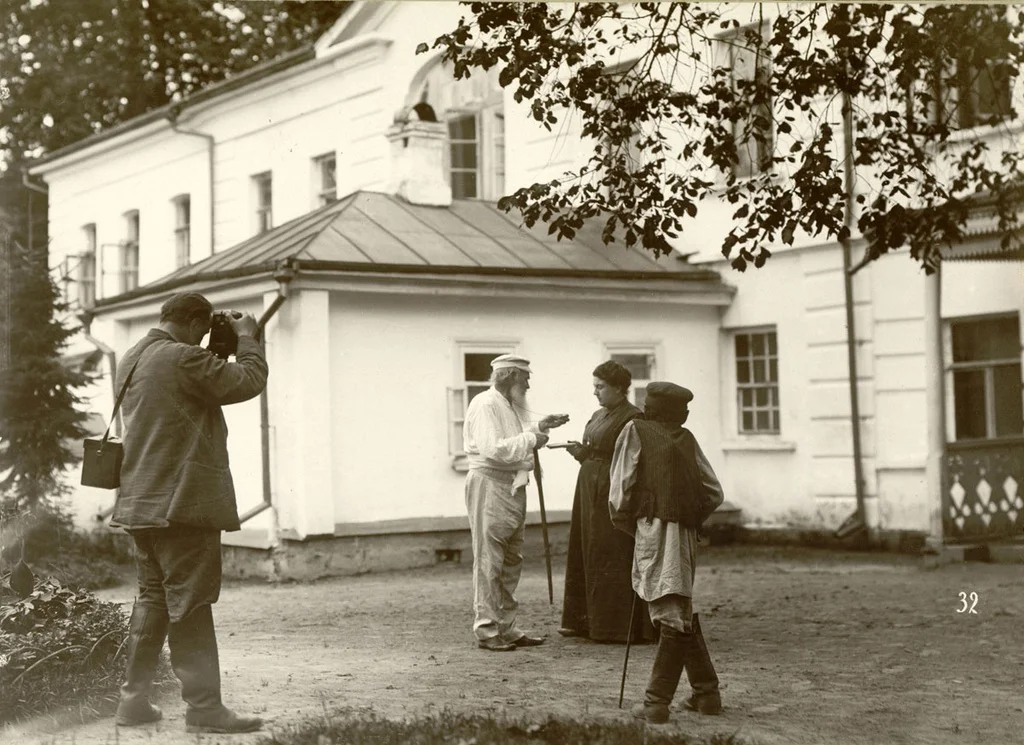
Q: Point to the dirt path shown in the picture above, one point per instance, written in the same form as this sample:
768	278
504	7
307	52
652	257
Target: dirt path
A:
811	647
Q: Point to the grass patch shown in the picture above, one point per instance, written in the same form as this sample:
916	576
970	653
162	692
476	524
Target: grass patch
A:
365	727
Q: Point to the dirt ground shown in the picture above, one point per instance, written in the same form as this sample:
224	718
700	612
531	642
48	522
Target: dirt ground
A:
811	647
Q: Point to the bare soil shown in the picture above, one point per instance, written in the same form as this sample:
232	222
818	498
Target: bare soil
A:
811	647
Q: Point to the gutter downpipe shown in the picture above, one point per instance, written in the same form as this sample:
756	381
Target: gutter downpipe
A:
86	320
284	274
32	187
857	522
172	119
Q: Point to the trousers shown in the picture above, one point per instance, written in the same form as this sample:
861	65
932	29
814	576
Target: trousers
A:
497	517
179	568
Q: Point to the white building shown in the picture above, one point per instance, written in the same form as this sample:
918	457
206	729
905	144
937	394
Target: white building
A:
332	209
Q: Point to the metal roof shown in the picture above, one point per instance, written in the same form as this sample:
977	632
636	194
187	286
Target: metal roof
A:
373	231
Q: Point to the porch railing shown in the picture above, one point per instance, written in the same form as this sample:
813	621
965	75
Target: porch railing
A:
982	495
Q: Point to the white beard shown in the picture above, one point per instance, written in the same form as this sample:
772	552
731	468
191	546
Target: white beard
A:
520	403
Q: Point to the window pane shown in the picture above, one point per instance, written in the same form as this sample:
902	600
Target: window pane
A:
472	391
477	365
464	185
757	344
747	398
969	403
742	371
772	347
759	371
639	365
640	394
775	421
773	371
986	339
464	156
742	345
763	421
463	128
748	422
1009	419
762	397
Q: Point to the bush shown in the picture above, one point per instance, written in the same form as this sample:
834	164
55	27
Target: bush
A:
363	727
57	646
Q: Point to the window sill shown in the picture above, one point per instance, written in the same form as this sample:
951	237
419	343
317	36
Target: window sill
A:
759	444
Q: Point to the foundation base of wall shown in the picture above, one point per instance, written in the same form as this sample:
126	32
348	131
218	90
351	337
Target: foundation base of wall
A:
1003	552
895	541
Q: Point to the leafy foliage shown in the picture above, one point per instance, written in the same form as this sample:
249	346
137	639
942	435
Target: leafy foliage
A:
719	101
57	646
73	69
365	727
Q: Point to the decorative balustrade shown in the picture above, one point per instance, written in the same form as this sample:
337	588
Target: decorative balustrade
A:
981	494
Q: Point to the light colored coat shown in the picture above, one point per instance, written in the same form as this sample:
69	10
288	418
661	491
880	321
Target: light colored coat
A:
175	467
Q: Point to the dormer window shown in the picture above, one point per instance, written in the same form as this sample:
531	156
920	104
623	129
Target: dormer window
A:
474	111
262	184
182	230
325	181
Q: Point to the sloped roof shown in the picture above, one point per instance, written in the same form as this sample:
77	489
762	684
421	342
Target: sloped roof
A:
377	232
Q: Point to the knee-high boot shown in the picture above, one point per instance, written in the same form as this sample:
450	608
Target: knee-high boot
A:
147	630
194	658
701	673
668	668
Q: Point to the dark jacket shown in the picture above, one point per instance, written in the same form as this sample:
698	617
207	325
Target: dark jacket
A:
668	483
175	467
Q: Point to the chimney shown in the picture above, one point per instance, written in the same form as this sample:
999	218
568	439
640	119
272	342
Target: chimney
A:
418	142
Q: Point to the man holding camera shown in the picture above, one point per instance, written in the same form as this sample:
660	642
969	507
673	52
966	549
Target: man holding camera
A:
500	454
176	497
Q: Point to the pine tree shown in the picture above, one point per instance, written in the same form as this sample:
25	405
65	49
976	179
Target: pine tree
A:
38	400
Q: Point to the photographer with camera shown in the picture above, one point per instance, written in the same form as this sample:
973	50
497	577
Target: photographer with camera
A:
176	497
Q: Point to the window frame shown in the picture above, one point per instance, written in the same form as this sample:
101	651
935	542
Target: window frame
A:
987	367
652	350
323	194
458	394
182	230
774	406
129	265
263	219
87	268
757	163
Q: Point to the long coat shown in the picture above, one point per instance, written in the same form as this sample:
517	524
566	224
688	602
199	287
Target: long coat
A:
175	467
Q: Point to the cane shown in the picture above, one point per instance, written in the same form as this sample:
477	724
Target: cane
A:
543	523
629	640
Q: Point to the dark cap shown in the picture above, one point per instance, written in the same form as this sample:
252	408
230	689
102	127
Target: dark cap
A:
667	402
184	306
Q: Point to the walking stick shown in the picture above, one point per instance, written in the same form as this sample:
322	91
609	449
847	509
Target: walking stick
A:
629	640
543	523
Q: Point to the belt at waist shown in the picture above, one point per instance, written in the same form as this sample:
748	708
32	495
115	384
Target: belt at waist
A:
600	458
505	477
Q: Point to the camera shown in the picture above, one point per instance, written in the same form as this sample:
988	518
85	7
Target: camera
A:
223	339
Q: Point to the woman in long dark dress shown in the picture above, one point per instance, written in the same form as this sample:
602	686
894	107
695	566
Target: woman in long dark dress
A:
598	584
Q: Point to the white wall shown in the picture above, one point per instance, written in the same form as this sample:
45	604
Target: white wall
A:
392	359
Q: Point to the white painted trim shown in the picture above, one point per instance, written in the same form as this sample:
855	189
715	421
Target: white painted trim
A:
765	445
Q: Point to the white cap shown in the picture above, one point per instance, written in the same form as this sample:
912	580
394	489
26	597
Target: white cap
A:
511	360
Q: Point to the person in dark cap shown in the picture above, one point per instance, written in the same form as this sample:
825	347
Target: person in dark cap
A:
662	491
599	593
499	449
176	497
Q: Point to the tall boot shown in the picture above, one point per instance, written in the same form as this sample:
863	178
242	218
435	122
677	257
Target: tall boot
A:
668	668
194	658
147	630
701	673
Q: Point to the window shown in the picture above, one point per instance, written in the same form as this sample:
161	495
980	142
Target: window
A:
87	269
474	111
130	252
751	67
263	187
472	379
325	183
640	363
463	159
757	382
182	230
986	373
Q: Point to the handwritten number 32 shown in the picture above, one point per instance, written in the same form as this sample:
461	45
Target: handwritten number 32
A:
973	597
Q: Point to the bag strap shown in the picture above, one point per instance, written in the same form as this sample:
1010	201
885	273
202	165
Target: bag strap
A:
120	396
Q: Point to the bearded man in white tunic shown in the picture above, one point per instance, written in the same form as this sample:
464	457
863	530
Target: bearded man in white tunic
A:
662	491
499	442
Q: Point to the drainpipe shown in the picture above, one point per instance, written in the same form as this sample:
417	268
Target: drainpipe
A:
172	119
857	522
284	274
86	320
